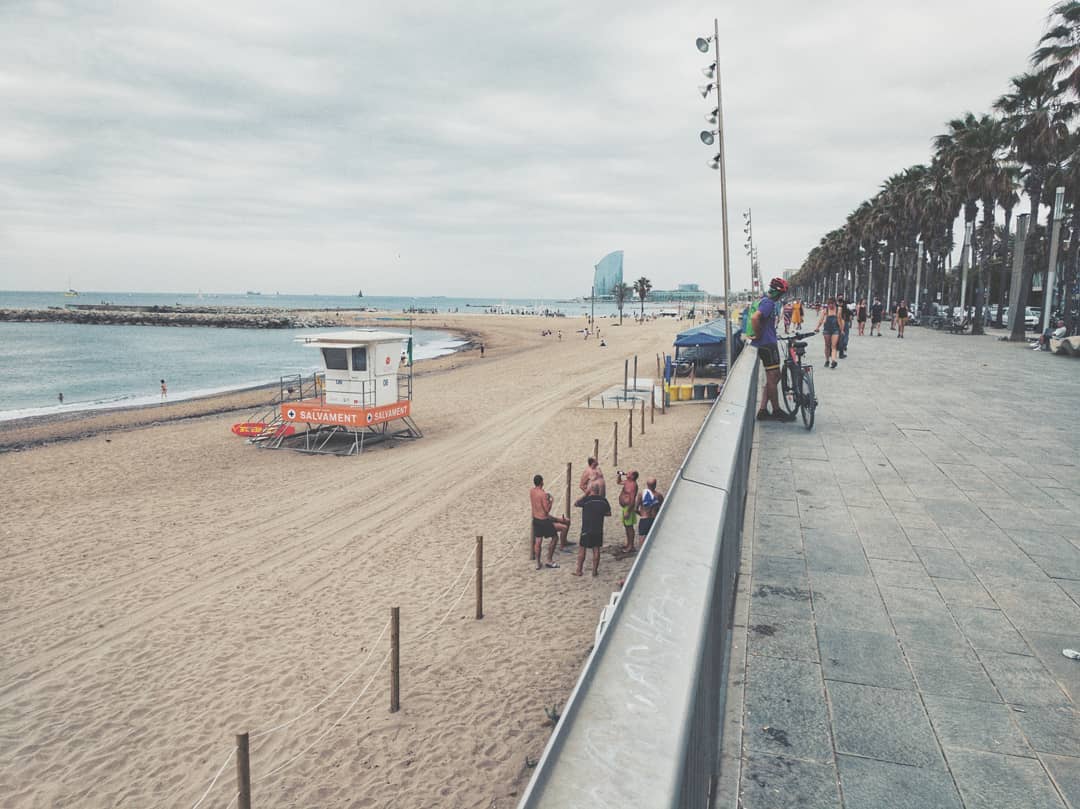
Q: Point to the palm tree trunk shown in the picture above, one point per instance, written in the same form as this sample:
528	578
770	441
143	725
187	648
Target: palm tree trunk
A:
1016	319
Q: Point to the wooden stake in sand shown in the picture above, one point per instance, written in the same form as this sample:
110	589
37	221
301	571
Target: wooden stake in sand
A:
630	431
569	466
615	445
643	417
243	772
479	577
596	449
652	404
395	659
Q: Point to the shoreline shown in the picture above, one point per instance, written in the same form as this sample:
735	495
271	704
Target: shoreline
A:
27	432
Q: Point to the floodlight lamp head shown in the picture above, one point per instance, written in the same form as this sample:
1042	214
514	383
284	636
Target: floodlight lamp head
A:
708	137
705	89
714	165
709	71
703	44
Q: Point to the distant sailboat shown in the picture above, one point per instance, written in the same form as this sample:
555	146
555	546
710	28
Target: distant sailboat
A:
360	294
71	293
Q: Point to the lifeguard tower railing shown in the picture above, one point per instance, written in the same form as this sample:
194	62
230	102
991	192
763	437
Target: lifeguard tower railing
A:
643	726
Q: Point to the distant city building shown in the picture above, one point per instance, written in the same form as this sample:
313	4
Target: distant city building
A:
683	292
689	288
609	273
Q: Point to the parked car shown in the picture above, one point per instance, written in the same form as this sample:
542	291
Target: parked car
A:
1032	318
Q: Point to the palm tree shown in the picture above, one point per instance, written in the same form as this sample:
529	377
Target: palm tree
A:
1059	48
621	292
642	287
1037	124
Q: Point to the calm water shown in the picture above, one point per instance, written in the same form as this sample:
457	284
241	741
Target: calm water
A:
108	366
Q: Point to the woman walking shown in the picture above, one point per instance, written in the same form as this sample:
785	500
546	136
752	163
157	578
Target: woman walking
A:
861	317
796	314
901	318
829	325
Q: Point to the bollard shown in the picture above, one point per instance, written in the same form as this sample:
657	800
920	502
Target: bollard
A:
395	659
243	772
479	577
596	449
615	446
625	375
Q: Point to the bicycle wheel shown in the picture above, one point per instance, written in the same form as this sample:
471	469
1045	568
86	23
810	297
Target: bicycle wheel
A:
808	398
788	398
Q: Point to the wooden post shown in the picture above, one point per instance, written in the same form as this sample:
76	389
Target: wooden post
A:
635	372
630	430
615	445
395	659
652	404
643	417
596	449
569	466
243	772
479	577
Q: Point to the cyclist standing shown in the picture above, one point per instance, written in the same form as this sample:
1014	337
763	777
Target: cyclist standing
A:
762	328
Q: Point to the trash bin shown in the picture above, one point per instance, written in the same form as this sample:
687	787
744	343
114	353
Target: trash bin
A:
712	390
685	392
699	391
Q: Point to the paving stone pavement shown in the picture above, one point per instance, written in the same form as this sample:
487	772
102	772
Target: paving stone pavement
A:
910	575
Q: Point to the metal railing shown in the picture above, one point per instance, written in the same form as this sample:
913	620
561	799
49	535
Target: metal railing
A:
643	725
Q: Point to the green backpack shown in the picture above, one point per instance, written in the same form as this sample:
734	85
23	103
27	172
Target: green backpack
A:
748	328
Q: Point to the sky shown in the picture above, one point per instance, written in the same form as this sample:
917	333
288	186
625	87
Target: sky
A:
462	149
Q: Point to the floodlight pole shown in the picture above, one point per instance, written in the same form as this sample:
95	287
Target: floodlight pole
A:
592	297
723	199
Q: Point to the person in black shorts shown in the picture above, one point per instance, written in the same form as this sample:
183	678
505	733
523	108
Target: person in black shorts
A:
875	317
762	331
901	318
594	508
860	317
544	525
829	325
648	506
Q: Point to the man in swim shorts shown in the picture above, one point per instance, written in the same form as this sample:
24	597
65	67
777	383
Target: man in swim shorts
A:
648	506
628	503
544	525
594	508
592	473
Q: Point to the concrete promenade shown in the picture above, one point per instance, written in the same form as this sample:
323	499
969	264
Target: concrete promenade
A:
910	575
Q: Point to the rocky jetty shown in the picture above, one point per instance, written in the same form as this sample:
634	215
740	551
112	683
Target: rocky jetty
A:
233	317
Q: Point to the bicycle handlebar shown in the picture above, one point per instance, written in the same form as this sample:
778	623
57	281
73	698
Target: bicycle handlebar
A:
797	336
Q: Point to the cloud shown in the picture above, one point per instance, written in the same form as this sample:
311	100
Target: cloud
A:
499	150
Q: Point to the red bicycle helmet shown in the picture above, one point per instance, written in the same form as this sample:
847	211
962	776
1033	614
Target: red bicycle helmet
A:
779	285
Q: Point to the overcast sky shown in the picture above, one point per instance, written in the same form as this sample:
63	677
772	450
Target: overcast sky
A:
464	148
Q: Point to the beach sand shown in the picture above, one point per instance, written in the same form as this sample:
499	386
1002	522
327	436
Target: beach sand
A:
167	586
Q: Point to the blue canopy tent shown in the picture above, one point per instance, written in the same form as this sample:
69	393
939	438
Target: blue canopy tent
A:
703	348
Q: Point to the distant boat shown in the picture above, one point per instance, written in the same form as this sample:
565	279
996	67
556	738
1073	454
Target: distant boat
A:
252	292
360	294
71	293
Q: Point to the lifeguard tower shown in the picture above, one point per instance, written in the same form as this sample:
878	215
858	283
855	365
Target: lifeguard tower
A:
362	396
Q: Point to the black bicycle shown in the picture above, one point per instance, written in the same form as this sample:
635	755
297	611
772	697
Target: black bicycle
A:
797	380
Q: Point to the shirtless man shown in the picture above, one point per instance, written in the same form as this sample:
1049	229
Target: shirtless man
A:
628	500
648	506
543	524
592	474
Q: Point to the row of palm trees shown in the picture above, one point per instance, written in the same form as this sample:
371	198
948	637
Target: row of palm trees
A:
1023	150
623	292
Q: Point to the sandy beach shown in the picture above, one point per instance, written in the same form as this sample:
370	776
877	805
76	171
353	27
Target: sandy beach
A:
167	585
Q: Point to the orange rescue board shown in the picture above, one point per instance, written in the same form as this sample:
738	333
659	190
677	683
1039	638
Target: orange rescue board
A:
249	428
352	417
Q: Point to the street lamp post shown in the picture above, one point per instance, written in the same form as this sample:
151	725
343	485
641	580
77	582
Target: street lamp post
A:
718	163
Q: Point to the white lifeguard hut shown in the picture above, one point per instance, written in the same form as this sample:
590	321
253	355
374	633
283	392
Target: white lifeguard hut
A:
364	395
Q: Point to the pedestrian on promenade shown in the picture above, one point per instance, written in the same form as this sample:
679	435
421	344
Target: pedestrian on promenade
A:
843	311
594	508
875	317
901	319
544	525
829	325
797	314
892	317
481	349
860	316
787	318
761	328
648	506
592	474
628	503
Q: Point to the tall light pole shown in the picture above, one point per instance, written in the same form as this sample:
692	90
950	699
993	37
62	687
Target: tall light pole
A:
1051	273
718	163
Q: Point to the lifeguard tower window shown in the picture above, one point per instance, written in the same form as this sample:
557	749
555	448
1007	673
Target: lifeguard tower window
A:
359	358
337	359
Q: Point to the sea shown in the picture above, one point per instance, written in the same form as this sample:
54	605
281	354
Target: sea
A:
97	366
